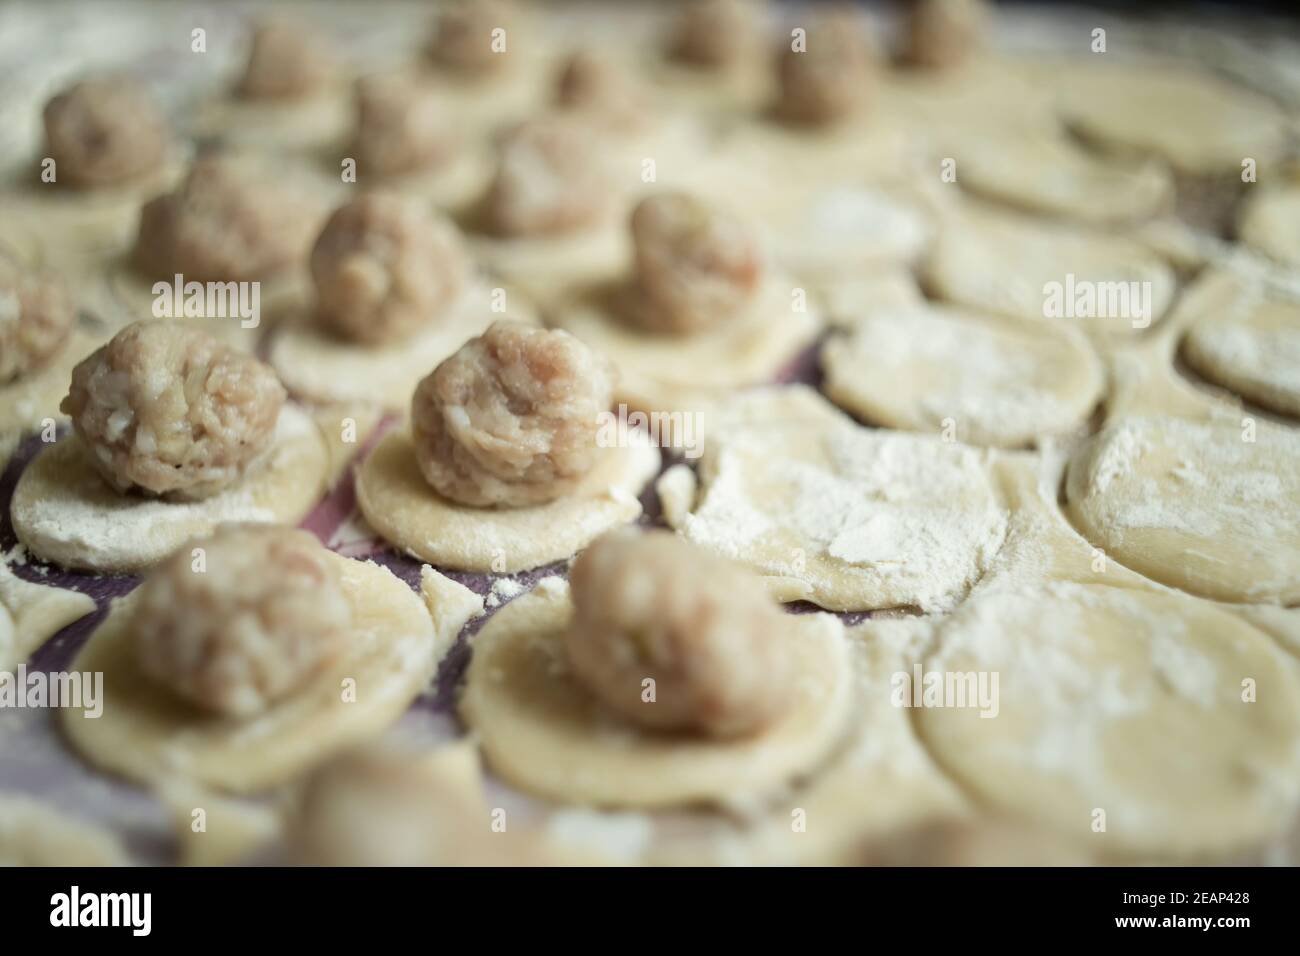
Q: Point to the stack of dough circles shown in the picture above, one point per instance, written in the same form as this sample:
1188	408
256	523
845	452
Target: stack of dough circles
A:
1210	507
68	515
1044	172
683	373
1270	223
1199	124
405	510
849	518
146	733
1254	350
544	733
995	381
318	366
1108	285
1123	702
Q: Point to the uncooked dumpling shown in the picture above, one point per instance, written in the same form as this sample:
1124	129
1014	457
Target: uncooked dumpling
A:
1209	507
1124	709
978	378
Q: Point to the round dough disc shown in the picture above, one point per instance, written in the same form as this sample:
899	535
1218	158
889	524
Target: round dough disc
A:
682	373
147	734
1255	352
1270	222
997	381
320	367
1043	172
1211	508
401	506
1124	701
544	733
1107	285
1197	123
67	515
849	518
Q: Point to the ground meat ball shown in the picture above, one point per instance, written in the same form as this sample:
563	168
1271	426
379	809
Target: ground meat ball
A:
549	180
36	316
166	409
943	33
512	418
463	38
261	614
287	61
600	90
402	127
103	131
715	34
831	79
696	266
226	223
652	606
385	266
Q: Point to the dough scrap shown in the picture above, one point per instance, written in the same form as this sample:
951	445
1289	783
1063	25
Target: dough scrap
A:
686	373
998	381
319	367
65	513
1252	348
846	517
148	735
33	834
402	508
1046	173
543	733
1269	221
30	614
1003	264
1194	505
1199	124
1125	701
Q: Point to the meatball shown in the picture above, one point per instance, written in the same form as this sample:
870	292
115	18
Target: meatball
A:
104	131
942	33
696	266
226	223
384	266
287	61
650	606
511	419
262	614
716	34
402	127
36	317
168	410
549	180
599	90
463	39
829	80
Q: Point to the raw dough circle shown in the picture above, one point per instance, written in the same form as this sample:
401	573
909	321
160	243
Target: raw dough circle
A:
64	512
1205	507
1197	123
320	367
1045	173
1255	352
31	613
1270	222
849	518
544	733
667	373
999	381
399	504
146	733
1005	265
1125	701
